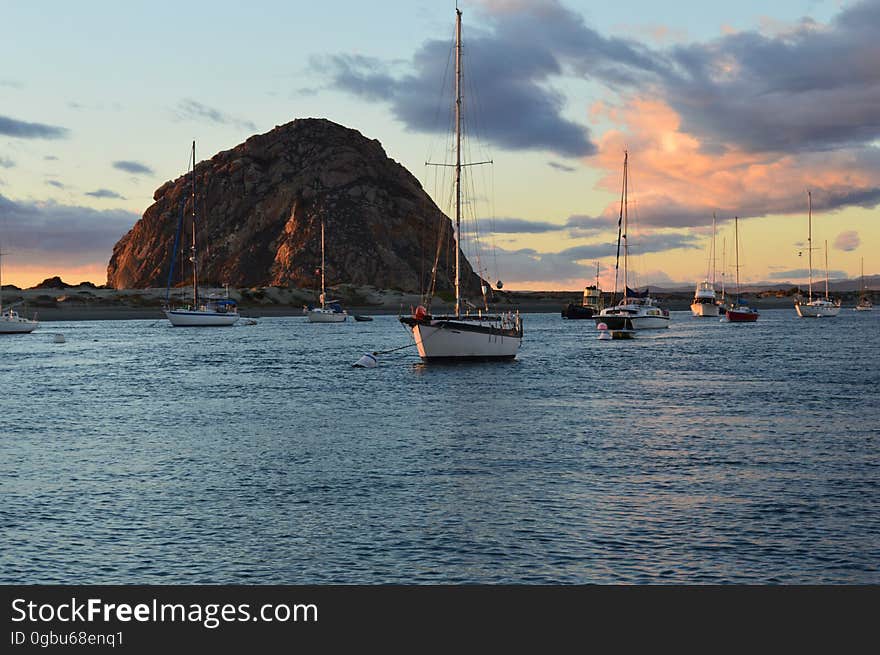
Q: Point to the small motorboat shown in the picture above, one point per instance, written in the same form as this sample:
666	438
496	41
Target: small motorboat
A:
361	317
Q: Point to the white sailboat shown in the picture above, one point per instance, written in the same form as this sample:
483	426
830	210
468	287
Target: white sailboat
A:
820	307
329	311
634	311
10	320
207	311
462	335
705	302
865	304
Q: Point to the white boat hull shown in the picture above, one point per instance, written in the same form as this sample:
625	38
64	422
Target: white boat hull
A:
650	322
864	308
190	318
817	311
17	327
442	341
639	322
705	309
326	316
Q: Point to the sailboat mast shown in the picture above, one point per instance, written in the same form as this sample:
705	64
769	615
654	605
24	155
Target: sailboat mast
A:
810	239
1	283
625	222
736	237
723	265
826	269
323	296
713	251
457	161
193	249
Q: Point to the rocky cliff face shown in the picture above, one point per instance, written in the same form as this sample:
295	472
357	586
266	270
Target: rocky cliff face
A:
259	208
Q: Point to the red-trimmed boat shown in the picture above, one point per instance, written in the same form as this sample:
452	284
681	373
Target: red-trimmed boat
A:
739	311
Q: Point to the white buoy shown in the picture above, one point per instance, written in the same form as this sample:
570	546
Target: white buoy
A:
58	338
604	335
367	361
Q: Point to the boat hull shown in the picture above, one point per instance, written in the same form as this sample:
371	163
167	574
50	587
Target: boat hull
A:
326	316
705	309
817	311
741	316
864	308
461	340
17	327
627	321
572	311
189	318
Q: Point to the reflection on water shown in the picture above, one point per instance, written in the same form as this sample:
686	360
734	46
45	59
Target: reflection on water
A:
703	453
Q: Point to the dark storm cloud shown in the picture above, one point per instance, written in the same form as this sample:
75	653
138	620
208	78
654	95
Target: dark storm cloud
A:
24	130
105	193
62	233
561	167
134	167
189	109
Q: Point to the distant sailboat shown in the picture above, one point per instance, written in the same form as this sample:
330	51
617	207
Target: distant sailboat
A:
739	311
462	335
10	320
705	302
634	311
820	307
329	311
207	311
865	304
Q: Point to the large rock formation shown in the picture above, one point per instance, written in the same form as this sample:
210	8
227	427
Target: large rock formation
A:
258	216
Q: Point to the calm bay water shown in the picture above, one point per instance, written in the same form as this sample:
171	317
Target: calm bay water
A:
138	453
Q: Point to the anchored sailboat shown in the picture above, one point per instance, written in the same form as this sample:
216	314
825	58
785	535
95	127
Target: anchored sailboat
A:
634	311
820	307
462	335
739	311
329	311
10	320
865	304
207	311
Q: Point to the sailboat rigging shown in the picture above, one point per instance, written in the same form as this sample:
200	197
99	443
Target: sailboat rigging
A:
635	311
820	307
329	311
462	335
739	311
865	304
207	311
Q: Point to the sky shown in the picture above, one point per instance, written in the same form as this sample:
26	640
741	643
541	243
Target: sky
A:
727	109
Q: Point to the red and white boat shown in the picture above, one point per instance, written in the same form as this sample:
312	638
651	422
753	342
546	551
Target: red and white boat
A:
739	312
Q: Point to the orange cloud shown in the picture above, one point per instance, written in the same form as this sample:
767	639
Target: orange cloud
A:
675	182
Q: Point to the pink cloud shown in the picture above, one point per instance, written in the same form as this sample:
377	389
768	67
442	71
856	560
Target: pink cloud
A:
847	241
676	182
